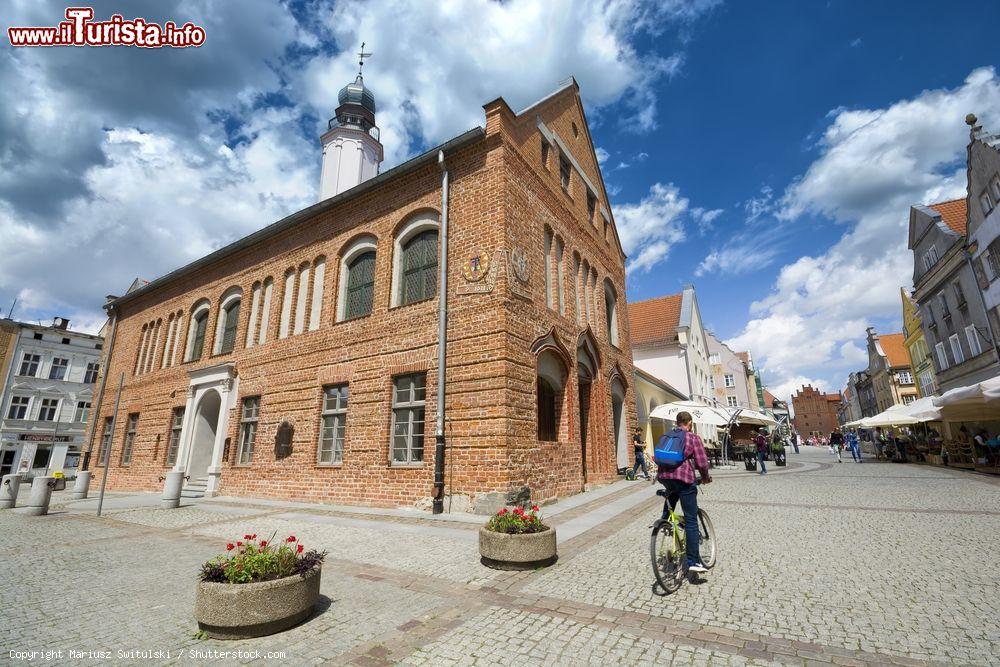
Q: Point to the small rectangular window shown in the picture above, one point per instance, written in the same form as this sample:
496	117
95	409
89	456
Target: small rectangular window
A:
332	424
248	429
591	205
959	294
109	429
173	444
47	412
58	369
973	337
29	365
956	348
82	410
130	428
564	171
37	336
90	377
18	407
730	380
409	393
65	341
545	153
731	401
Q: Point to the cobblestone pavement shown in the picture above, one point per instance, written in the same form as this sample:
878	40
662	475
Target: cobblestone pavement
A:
820	563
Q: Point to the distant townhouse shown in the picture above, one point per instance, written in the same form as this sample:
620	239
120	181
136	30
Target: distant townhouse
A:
731	382
754	387
815	411
777	408
952	309
984	221
650	393
48	382
916	347
889	369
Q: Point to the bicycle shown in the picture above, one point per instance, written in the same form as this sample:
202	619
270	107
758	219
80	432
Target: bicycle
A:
668	546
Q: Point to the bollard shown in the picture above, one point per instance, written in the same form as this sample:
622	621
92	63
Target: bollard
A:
8	491
41	494
81	486
172	489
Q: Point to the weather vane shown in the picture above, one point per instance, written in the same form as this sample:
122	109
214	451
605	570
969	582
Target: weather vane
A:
361	58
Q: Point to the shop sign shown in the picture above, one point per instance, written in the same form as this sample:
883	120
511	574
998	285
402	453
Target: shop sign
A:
42	437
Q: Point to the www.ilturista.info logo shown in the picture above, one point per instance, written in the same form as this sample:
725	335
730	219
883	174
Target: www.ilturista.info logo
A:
80	30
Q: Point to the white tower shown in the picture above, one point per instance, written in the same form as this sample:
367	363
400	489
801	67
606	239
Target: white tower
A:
352	152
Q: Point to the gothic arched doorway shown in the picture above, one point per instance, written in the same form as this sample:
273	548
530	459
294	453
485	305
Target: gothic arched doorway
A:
206	425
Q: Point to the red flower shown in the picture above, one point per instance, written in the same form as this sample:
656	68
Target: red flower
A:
254	536
230	547
291	538
263	543
247	537
534	508
239	544
502	512
299	549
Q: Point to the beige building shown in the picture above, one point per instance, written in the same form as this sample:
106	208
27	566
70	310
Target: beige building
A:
889	368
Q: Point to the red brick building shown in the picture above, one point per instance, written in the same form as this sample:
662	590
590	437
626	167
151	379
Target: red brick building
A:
815	412
301	361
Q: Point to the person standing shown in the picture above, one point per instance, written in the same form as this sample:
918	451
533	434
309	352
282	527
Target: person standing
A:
880	443
837	442
795	442
639	447
852	441
760	442
679	482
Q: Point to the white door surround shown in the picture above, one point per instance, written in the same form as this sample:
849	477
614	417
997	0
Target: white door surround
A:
222	381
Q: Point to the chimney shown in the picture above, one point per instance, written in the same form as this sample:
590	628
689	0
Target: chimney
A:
60	323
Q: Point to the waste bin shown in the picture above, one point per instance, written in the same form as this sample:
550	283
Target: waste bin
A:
750	460
779	458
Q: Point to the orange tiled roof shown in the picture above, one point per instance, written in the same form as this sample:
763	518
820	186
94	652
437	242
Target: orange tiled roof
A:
954	213
654	321
894	348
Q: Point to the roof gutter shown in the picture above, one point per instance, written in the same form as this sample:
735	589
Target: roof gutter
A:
286	223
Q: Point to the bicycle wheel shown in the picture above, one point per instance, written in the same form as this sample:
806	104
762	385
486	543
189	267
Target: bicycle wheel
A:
706	543
668	559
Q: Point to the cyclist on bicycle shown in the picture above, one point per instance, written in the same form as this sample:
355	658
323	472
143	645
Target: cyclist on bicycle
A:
680	485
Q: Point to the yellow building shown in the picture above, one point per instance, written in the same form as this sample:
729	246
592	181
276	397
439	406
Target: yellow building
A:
8	340
916	347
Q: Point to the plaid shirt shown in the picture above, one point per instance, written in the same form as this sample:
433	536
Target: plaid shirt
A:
694	457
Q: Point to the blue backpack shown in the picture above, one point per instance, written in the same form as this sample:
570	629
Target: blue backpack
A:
669	451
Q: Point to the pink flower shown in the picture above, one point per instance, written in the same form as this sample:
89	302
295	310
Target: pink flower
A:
263	543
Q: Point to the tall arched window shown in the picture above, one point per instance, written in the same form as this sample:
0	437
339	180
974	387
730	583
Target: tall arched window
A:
420	264
255	292
549	293
560	271
549	383
286	304
356	287
228	322
316	307
415	261
196	332
265	311
139	358
300	298
611	312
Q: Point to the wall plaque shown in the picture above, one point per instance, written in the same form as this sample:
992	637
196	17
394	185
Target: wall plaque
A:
283	441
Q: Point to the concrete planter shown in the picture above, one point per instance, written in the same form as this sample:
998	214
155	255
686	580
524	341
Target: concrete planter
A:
501	551
241	611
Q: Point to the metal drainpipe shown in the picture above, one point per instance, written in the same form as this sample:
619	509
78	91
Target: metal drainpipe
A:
96	407
438	494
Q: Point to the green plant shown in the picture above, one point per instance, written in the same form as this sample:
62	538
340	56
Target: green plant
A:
251	560
516	521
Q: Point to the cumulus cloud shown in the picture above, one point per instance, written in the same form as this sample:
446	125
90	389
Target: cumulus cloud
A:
168	154
873	164
650	227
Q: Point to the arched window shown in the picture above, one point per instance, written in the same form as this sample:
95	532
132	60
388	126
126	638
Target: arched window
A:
286	304
356	288
611	311
316	307
549	300
196	332
142	349
265	311
300	298
577	268
560	271
415	261
550	381
420	267
228	322
255	292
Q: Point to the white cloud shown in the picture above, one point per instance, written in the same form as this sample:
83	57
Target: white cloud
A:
648	228
602	155
786	388
873	164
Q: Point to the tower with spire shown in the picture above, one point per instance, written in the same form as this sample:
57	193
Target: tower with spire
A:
352	151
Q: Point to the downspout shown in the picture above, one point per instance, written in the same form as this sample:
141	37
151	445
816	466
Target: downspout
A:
438	493
96	406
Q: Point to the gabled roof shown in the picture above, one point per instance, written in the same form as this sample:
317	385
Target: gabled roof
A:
654	321
769	398
954	213
895	350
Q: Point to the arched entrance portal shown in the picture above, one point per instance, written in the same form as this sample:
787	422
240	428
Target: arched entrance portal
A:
206	425
618	422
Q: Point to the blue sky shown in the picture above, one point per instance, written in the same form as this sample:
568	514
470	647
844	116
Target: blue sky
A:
767	152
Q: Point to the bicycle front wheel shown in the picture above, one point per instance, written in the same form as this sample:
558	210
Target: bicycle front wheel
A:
706	544
668	557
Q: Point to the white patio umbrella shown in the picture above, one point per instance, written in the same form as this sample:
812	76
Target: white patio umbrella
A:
700	413
748	416
889	417
975	402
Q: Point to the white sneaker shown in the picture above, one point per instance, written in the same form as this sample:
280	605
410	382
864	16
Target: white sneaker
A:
697	567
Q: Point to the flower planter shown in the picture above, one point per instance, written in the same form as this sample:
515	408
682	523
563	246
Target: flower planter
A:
523	551
241	611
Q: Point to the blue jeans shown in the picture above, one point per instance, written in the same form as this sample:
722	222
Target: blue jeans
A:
688	495
760	461
640	460
856	452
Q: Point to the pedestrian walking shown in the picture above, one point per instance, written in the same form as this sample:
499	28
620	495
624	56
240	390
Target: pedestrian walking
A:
852	441
639	447
837	443
795	442
761	444
880	443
